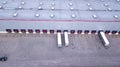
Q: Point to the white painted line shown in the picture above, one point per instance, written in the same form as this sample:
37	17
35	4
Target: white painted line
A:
104	39
89	33
82	33
75	33
48	32
59	39
110	33
34	32
116	33
27	32
13	32
3	32
66	38
20	32
41	32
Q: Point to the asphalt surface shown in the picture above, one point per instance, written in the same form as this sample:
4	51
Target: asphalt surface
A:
40	50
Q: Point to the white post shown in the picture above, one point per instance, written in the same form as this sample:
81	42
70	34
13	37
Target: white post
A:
66	38
59	39
104	39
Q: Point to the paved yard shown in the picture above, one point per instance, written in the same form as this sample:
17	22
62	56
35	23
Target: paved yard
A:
40	50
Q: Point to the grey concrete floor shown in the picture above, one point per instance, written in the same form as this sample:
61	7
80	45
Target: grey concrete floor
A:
40	50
